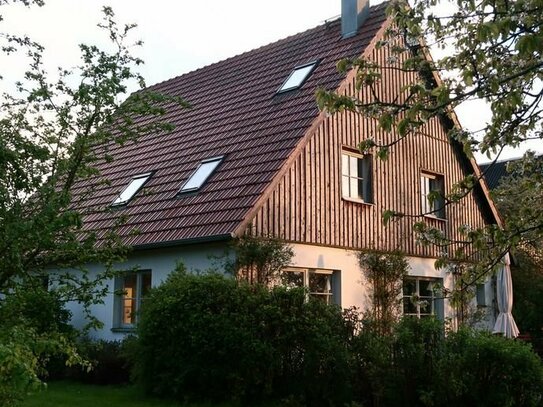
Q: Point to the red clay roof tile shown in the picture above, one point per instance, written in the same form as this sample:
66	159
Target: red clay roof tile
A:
236	113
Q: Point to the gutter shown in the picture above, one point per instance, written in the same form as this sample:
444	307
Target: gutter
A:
184	242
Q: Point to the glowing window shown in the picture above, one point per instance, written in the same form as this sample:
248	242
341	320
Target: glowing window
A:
133	187
202	173
132	288
297	77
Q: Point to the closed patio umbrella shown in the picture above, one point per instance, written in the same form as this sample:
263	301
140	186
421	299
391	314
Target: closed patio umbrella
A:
505	323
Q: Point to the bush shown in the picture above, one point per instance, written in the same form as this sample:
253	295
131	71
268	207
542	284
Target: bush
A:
108	360
478	368
38	308
39	313
419	365
209	337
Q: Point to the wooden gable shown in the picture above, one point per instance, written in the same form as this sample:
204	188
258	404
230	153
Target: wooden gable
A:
305	204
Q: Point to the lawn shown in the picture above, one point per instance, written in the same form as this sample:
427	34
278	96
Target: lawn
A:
67	394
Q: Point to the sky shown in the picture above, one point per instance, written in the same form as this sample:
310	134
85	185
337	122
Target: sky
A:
182	35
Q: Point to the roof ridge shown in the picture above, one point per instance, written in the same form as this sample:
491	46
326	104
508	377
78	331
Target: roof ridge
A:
326	23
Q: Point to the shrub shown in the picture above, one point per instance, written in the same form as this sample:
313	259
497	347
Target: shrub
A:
212	338
209	337
36	307
419	365
39	313
478	368
108	360
385	274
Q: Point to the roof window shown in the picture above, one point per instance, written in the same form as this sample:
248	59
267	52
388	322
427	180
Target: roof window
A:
133	187
297	77
202	173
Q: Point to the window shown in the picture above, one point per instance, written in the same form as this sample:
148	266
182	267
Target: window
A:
131	288
134	186
297	77
320	283
432	195
481	295
356	176
202	173
419	297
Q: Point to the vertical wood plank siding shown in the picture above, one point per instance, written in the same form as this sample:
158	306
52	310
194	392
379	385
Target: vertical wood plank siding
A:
307	205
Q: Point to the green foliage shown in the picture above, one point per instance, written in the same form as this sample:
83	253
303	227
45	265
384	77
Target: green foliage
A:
108	362
38	308
50	130
259	260
527	275
418	365
18	365
385	274
22	356
210	337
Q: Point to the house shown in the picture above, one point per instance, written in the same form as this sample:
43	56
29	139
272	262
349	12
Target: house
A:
255	153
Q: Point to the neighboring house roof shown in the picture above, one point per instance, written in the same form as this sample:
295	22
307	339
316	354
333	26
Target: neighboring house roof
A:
494	172
236	113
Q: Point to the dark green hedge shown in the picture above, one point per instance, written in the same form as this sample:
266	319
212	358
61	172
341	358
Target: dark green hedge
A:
206	337
211	338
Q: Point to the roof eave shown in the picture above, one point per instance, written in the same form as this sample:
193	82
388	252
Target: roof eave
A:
184	242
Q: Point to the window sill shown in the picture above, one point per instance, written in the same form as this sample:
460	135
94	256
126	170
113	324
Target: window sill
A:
126	329
435	218
358	201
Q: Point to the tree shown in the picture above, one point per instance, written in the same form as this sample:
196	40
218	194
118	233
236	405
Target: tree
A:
495	55
259	260
519	197
385	274
54	130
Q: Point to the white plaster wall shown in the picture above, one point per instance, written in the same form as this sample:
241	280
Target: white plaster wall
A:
354	290
161	262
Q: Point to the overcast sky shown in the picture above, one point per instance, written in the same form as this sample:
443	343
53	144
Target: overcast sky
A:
181	35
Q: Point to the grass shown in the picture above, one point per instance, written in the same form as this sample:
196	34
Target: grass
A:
67	394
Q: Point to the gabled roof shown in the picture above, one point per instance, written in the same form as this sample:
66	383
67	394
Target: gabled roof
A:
236	113
494	172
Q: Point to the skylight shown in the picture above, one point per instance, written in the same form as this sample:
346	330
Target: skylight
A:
297	77
134	186
202	173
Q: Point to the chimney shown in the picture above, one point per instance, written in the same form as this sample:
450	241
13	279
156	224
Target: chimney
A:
353	14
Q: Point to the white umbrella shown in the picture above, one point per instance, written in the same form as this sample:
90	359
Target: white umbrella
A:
505	323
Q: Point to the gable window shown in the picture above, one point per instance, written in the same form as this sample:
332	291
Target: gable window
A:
356	176
420	299
131	289
297	77
202	173
135	184
432	195
320	283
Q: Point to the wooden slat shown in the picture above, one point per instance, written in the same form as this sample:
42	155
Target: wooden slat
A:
309	200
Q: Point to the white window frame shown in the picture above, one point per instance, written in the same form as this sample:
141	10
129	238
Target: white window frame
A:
121	298
134	186
432	301
329	297
430	182
308	68
364	181
187	185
